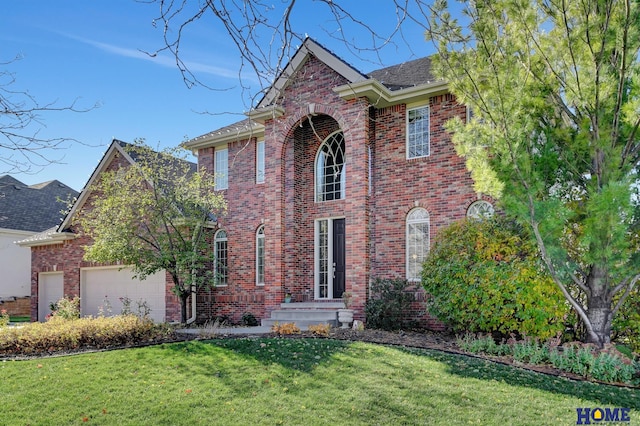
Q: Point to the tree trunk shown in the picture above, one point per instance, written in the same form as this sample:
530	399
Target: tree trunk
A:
599	305
183	307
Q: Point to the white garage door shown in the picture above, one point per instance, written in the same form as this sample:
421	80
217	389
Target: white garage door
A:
103	287
50	290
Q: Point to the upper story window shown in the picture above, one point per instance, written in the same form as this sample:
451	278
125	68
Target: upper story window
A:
260	170
330	169
417	242
221	261
480	210
222	168
260	256
418	132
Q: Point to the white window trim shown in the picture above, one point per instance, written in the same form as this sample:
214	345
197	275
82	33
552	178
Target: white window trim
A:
221	176
409	222
408	157
473	210
260	162
260	236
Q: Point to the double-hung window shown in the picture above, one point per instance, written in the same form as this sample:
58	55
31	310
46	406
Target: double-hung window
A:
418	132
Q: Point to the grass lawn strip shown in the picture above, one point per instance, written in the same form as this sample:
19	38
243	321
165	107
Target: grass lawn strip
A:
290	381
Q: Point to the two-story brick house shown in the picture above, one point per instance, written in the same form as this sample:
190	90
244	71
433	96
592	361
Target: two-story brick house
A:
335	178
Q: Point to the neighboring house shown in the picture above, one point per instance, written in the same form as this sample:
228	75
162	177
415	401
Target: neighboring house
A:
25	210
58	268
334	179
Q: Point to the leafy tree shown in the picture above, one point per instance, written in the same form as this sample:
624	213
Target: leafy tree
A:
155	215
554	87
486	276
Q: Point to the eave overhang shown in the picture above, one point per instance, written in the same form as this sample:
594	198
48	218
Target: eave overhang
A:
47	238
381	97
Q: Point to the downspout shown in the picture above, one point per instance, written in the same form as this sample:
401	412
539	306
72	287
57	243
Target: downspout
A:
193	308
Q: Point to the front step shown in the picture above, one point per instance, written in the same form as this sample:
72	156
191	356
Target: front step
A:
305	314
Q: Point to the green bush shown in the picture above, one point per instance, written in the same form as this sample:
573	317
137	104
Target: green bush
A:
66	308
388	303
485	276
249	320
59	334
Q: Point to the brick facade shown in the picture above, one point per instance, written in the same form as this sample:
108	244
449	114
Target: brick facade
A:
382	188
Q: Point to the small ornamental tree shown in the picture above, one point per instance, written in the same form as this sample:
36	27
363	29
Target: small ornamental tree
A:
155	215
485	276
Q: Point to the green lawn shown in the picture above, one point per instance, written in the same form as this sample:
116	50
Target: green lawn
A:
289	381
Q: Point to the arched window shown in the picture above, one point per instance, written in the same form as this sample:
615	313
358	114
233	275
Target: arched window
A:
417	242
260	256
480	210
221	260
330	173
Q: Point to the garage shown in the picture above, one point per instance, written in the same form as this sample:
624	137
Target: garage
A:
50	290
104	288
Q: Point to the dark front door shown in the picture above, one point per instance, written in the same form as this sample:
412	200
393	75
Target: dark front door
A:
338	257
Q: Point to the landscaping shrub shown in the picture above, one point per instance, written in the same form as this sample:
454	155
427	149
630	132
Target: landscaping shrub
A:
485	276
320	329
388	303
573	358
4	318
59	334
249	319
66	308
286	328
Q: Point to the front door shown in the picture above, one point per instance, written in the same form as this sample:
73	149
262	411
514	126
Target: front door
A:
330	258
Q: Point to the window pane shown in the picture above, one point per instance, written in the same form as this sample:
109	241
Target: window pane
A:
417	242
260	256
260	171
330	169
222	168
418	132
221	252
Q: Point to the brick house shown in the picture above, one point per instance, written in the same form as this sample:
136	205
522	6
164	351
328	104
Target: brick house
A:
335	178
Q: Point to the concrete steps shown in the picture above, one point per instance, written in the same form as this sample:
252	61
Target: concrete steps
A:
305	314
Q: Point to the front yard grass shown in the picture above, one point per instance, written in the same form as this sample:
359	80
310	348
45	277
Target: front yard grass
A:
290	381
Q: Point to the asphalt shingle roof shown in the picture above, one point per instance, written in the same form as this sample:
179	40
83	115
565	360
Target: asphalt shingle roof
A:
407	74
32	208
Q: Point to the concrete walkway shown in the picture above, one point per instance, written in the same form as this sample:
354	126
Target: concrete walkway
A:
211	331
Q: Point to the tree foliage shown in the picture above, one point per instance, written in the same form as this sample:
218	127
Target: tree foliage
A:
554	86
485	276
155	215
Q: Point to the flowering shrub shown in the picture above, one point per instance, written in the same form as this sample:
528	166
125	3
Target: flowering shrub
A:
66	308
4	318
59	334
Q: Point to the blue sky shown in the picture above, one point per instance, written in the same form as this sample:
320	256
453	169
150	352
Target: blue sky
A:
90	52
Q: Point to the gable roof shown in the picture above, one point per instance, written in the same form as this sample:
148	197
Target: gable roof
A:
32	207
408	82
309	47
117	147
